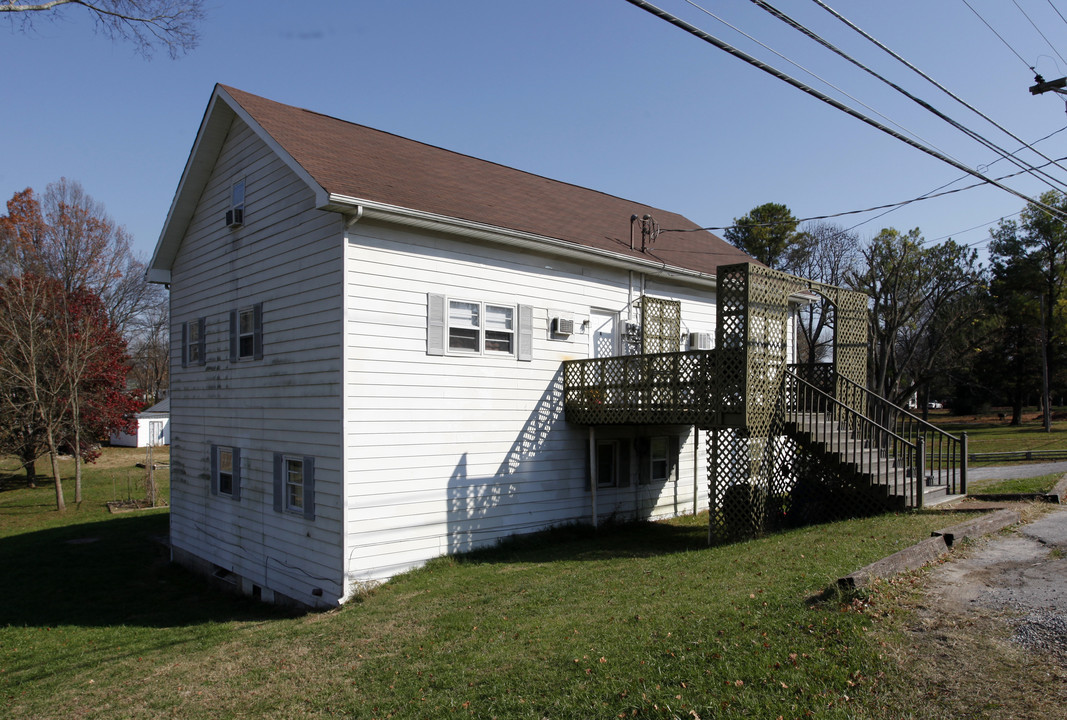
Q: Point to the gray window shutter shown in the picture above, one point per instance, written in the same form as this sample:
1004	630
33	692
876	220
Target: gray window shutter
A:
257	314
214	469
436	324
185	344
233	336
279	485
525	333
236	473
202	340
309	488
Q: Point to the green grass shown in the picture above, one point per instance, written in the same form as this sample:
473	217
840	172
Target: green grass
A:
987	434
630	621
1039	484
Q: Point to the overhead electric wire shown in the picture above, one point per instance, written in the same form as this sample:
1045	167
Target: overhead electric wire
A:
890	206
1057	11
809	72
896	56
774	72
993	30
1016	3
763	5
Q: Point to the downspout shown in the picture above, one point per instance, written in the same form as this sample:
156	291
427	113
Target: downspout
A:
354	217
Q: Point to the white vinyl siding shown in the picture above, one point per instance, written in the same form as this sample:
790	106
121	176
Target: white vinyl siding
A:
288	263
447	451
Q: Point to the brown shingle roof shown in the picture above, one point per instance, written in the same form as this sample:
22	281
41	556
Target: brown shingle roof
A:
359	162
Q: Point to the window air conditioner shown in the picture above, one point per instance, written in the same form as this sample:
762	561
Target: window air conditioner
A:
700	341
235	218
562	326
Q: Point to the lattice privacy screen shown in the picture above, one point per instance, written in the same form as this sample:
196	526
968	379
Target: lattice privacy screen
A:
752	468
661	323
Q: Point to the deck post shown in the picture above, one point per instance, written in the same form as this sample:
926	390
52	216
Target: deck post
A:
963	463
592	469
696	469
920	466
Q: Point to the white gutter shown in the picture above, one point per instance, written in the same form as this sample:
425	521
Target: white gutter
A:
515	238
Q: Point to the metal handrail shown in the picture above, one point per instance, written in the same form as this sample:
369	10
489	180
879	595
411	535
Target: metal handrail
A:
946	458
858	439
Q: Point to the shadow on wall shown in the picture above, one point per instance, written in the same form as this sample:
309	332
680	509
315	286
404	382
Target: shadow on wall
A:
479	509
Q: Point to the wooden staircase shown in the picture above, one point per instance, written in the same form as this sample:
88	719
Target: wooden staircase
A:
903	459
852	453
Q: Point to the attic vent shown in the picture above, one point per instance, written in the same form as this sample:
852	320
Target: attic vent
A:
700	341
563	326
235	218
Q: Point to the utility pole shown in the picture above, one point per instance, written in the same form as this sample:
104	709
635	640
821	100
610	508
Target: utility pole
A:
1044	86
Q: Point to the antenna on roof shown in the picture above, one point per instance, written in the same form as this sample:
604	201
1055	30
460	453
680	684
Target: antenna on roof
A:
649	232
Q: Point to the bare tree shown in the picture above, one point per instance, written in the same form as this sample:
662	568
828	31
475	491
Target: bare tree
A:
148	24
33	384
150	351
921	297
831	256
70	237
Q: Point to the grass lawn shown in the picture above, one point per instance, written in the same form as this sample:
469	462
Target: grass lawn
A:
1039	484
987	433
631	621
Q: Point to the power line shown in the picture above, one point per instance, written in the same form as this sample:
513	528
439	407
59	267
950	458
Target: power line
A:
809	72
896	56
888	207
1016	3
993	30
774	72
930	194
1057	12
922	103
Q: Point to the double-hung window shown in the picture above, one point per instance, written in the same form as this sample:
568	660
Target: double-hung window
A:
658	457
483	328
226	471
246	333
470	327
194	342
294	485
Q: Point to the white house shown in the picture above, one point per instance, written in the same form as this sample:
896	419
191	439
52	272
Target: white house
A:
367	348
153	428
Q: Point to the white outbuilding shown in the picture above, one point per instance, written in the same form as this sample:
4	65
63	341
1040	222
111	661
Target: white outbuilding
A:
153	428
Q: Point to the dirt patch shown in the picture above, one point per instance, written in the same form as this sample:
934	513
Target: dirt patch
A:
987	635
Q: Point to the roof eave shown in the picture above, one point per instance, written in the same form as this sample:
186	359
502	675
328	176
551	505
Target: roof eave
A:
384	212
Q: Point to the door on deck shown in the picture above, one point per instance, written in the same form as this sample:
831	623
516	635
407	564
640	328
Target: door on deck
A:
603	334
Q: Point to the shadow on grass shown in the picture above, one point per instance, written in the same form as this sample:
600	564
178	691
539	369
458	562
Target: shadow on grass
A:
113	572
636	539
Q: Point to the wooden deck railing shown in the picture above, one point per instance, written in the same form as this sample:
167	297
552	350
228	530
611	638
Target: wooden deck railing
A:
665	388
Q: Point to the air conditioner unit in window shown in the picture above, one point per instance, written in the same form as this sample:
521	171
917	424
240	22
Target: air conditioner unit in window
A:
700	341
235	218
562	326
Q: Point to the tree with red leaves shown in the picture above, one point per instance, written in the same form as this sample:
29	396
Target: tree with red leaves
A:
63	369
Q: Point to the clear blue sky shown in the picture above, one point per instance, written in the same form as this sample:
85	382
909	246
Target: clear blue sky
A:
593	92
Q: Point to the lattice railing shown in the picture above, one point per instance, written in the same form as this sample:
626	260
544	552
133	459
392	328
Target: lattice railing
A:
665	388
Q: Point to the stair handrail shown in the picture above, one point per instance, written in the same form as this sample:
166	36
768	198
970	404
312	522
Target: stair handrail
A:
947	465
860	439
